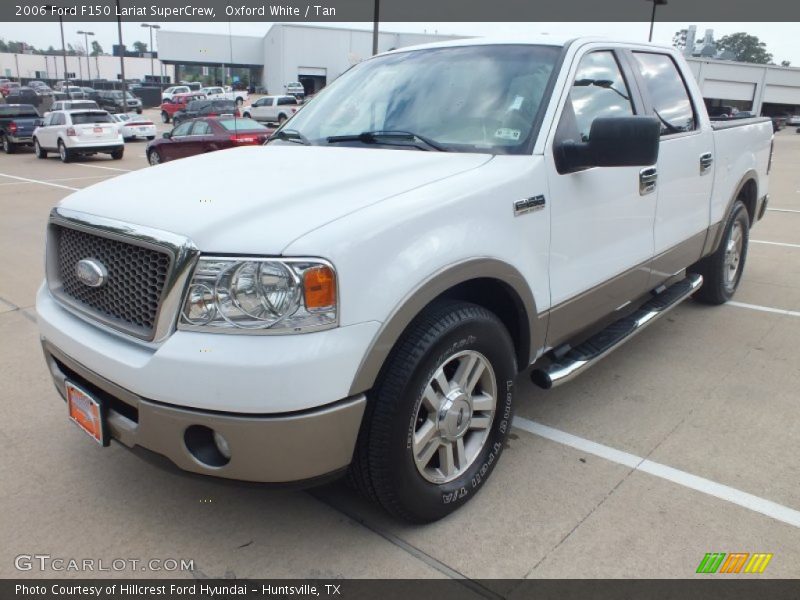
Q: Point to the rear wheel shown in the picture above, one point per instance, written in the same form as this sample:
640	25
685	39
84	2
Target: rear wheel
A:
438	418
8	146
154	158
150	138
281	119
164	116
723	269
64	154
40	152
118	154
246	115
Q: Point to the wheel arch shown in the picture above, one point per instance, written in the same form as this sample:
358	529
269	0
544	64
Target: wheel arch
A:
491	283
747	192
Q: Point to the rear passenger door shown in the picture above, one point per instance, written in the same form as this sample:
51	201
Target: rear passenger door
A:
601	221
685	164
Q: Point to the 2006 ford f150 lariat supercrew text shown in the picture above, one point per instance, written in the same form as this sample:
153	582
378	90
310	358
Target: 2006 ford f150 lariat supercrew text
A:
437	221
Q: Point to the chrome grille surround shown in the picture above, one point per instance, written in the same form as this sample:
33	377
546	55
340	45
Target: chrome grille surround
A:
149	268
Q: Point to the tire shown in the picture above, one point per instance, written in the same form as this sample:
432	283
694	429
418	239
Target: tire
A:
722	270
8	146
150	138
40	152
138	111
128	139
64	154
401	454
246	115
281	119
154	158
118	154
164	116
239	101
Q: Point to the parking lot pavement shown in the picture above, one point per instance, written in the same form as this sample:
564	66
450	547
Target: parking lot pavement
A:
680	443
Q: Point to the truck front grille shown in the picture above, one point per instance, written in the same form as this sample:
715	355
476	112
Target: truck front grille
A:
130	298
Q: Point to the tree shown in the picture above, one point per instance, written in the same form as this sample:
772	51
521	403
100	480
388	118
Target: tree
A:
97	49
679	39
786	63
140	47
745	48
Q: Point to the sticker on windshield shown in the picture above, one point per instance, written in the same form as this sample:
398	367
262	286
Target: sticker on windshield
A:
508	134
517	103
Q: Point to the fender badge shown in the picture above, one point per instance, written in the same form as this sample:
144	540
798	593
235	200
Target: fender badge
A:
527	205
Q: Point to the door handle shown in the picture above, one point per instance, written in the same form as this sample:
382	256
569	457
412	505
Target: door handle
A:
648	179
706	160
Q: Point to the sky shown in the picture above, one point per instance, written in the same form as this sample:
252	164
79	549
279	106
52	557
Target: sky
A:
781	38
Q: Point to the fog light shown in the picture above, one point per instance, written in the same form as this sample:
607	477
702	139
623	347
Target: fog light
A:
222	445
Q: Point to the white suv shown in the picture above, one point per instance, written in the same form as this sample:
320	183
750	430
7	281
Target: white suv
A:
272	109
78	132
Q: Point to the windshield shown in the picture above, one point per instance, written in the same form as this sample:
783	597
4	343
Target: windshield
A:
483	98
90	117
18	111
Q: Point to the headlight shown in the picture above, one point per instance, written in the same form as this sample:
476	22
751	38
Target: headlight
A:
260	295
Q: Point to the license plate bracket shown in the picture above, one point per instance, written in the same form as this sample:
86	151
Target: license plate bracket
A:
88	413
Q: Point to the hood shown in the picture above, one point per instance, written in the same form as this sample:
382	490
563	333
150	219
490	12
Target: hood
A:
257	200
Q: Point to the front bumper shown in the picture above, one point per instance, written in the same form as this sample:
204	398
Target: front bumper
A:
293	447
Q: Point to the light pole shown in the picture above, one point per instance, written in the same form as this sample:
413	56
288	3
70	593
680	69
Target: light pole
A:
51	8
121	57
375	22
86	35
653	16
151	27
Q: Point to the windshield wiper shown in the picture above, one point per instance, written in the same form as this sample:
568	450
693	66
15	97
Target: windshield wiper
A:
291	135
387	137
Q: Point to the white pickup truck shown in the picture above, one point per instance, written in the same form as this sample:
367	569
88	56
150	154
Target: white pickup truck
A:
225	93
478	209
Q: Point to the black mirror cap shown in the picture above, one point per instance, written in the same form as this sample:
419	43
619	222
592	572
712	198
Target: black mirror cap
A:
625	141
613	142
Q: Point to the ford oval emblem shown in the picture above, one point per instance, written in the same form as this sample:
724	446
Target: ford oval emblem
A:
91	272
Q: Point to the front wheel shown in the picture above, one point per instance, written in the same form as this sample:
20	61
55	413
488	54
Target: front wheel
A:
437	420
154	158
281	119
246	115
723	269
164	116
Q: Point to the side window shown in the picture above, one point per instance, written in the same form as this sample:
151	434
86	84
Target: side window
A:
599	90
667	92
182	129
201	128
48	120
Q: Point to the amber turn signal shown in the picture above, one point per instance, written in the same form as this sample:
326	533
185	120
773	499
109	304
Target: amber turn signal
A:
319	284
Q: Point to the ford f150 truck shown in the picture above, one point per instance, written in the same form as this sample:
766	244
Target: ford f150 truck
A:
478	209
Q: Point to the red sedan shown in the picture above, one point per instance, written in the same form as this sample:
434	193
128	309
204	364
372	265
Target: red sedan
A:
199	136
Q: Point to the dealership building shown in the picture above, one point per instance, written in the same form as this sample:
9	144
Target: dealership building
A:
312	55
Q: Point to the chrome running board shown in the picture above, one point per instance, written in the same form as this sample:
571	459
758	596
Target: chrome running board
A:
578	359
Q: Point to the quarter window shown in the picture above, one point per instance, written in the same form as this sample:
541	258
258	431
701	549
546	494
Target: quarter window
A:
201	128
667	91
599	90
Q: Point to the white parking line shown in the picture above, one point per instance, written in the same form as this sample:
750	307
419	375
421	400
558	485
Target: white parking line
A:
769	309
55	185
106	168
789	210
59	179
757	504
784	244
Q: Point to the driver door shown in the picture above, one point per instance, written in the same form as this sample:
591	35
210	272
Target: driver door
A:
602	222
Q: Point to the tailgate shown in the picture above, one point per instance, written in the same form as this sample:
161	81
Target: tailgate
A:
25	127
96	132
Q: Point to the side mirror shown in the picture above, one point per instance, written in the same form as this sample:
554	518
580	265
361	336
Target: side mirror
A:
166	135
613	142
